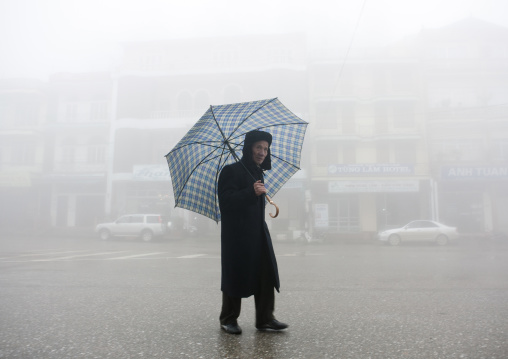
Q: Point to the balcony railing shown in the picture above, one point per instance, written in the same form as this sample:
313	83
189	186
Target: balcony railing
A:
79	167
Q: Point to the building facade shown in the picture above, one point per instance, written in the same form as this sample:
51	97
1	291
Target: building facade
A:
162	88
76	146
369	154
23	112
465	68
414	130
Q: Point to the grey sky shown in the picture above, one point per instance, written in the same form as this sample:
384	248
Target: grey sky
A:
38	37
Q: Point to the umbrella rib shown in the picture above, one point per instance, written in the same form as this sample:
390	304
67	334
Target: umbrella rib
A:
226	140
283	160
252	113
204	143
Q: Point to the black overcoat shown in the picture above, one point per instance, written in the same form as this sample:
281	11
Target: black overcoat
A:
244	233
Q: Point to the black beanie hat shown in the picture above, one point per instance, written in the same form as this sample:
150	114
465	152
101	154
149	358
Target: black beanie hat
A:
252	137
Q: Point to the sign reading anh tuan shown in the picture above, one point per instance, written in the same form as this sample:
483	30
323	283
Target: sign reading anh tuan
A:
474	172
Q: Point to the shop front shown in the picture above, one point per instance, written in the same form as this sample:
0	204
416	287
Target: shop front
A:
474	198
76	200
361	206
146	190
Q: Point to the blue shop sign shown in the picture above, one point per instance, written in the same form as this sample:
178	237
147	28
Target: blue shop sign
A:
474	172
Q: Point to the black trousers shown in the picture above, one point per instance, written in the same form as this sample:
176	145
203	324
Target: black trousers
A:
264	300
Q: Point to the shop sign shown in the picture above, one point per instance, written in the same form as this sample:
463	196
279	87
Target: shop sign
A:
321	215
373	186
292	184
151	173
15	179
474	172
370	170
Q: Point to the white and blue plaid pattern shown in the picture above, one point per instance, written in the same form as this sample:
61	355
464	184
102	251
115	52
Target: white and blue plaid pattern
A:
196	161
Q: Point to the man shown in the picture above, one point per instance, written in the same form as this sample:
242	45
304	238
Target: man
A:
248	262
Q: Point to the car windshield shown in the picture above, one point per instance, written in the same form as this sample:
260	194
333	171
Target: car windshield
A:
421	224
137	219
124	219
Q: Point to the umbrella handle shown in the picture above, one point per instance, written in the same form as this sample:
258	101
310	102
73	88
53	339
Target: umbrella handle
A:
273	204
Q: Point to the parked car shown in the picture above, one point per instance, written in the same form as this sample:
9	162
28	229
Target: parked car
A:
145	226
420	230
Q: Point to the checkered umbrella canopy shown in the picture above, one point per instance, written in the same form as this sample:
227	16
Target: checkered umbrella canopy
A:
217	139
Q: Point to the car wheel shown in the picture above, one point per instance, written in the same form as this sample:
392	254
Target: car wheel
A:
104	234
442	240
394	240
146	235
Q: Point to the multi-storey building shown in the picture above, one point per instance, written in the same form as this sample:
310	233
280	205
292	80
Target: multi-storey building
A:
77	144
419	130
162	88
22	116
414	130
369	158
465	67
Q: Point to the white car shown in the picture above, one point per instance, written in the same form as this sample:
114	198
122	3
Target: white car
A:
420	230
145	226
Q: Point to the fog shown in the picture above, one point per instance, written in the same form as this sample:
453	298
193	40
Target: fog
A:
391	240
407	103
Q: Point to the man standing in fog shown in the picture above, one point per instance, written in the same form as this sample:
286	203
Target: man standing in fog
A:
248	261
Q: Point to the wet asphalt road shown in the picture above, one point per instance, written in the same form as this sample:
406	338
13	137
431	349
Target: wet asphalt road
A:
81	298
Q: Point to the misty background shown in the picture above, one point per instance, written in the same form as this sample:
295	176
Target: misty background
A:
407	103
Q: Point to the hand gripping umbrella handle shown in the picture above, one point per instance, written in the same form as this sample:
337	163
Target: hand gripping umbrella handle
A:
273	204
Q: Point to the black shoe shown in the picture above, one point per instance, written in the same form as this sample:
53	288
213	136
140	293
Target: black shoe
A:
274	324
232	328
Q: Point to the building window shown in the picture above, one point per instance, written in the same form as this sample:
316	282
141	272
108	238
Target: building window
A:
96	150
403	115
381	120
383	153
280	55
68	154
404	153
23	155
500	150
68	150
71	112
349	153
99	111
326	116
226	58
348	218
467	151
327	153
97	154
347	118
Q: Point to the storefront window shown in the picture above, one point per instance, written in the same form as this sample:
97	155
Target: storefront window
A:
348	219
397	209
342	214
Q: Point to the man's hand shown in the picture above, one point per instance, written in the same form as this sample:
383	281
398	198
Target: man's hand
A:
259	188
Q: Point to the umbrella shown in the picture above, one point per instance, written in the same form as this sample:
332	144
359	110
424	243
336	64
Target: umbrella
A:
214	141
